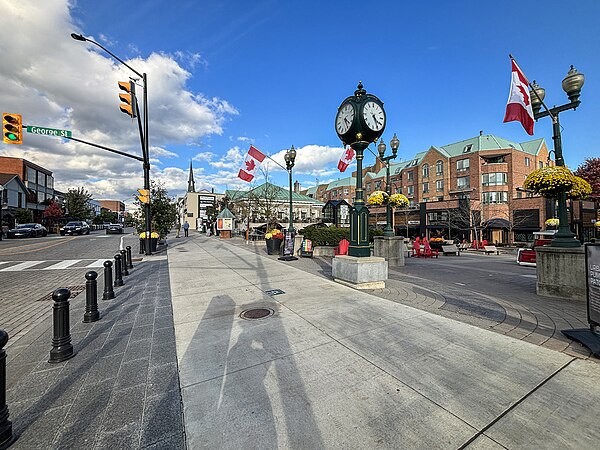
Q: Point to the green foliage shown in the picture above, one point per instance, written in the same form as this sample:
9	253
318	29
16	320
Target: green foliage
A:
163	210
130	221
325	235
23	215
374	232
106	216
77	204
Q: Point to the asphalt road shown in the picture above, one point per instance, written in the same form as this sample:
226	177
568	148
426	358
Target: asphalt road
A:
31	269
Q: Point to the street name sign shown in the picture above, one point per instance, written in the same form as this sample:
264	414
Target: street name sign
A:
49	131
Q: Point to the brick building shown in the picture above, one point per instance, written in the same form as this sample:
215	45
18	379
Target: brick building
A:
116	206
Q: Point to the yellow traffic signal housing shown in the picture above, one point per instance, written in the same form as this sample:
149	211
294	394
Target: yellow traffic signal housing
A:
128	105
144	196
12	128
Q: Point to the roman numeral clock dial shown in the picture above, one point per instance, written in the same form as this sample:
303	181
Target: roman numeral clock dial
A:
344	118
373	116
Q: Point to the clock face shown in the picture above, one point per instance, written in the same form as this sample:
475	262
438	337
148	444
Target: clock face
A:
344	118
374	116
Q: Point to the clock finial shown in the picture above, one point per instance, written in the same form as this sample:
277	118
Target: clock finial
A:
360	91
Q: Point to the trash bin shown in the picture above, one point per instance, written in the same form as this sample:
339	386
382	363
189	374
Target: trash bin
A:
153	244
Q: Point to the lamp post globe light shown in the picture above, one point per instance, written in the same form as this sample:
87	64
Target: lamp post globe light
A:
394	144
360	120
143	135
290	157
572	85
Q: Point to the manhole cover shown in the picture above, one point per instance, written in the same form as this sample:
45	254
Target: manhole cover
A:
257	313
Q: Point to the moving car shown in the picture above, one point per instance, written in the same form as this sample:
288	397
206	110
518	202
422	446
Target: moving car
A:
27	230
75	227
114	228
526	256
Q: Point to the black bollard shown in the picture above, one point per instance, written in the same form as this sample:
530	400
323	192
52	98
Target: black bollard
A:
62	349
124	263
118	273
6	436
109	293
129	256
91	298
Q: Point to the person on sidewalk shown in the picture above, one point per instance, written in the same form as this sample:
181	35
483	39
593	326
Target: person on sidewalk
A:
186	227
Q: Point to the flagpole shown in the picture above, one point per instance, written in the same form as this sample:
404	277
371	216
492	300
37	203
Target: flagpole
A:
554	118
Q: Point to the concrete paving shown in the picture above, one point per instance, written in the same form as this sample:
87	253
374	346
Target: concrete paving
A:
334	367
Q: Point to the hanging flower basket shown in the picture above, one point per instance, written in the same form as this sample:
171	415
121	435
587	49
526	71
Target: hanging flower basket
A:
550	181
399	200
552	222
581	189
378	198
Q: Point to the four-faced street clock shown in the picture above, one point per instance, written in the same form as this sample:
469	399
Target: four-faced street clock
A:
360	118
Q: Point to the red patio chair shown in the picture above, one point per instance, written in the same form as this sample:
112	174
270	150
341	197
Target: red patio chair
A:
417	250
342	248
429	252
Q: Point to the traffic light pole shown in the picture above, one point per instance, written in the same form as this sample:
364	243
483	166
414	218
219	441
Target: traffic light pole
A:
145	137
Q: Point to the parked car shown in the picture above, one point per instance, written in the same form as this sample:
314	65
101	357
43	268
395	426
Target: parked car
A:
27	230
75	227
526	256
114	228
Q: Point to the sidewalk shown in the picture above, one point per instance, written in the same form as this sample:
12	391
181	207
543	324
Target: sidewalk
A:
121	389
338	368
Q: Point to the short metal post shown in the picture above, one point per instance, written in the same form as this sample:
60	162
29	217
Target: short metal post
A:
118	274
109	292
6	436
62	349
129	261
124	263
91	298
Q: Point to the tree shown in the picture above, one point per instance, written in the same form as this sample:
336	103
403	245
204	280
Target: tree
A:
163	210
23	215
77	203
53	211
590	172
106	216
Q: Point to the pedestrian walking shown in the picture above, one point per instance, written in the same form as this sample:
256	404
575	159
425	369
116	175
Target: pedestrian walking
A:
186	227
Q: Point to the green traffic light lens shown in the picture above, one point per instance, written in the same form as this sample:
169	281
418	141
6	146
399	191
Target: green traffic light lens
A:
12	137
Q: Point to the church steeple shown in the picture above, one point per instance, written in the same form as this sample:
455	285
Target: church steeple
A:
191	184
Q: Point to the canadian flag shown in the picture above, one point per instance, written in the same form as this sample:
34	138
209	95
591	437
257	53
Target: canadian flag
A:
251	163
518	106
346	158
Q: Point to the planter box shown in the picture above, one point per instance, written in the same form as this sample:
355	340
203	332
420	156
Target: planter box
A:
273	246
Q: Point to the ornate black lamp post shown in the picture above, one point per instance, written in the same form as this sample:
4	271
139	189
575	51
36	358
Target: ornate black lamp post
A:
290	157
360	120
572	85
143	133
394	143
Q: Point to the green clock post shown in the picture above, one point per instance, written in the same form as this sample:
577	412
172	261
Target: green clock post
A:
360	120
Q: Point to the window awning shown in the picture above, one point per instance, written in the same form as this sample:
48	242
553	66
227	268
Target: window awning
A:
496	222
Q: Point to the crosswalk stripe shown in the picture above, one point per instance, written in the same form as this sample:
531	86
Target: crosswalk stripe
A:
97	263
62	264
21	266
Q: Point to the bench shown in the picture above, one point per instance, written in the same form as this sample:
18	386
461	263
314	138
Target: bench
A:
447	249
407	251
489	249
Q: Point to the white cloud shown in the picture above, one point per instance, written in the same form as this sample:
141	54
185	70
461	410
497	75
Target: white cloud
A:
310	160
204	156
232	159
159	151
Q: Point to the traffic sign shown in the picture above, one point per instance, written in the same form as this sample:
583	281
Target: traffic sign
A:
49	131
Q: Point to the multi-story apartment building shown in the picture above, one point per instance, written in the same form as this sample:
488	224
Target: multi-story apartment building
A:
116	206
38	180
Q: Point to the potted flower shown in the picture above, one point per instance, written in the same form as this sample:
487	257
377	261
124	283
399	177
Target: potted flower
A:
552	223
153	241
436	243
273	238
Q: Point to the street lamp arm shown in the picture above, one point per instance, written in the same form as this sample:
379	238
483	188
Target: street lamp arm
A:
80	37
553	112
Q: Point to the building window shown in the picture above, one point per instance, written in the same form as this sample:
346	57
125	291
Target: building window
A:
494	197
494	179
425	188
424	200
439	185
409	175
495	160
378	185
527	161
31	175
467	148
398	190
440	199
463	182
462	165
40	197
519	194
425	170
439	168
19	200
368	186
541	164
346	191
410	190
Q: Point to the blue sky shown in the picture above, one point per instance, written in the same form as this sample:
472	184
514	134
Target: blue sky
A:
224	74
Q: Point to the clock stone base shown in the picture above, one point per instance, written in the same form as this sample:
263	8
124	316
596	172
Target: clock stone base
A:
360	272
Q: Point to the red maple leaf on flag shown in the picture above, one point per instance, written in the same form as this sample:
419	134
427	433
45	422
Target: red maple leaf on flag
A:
349	153
250	165
525	94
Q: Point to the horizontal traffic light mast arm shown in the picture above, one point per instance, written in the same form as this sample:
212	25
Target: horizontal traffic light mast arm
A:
118	152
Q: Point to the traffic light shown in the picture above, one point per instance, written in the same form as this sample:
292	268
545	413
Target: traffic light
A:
144	196
12	128
128	105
